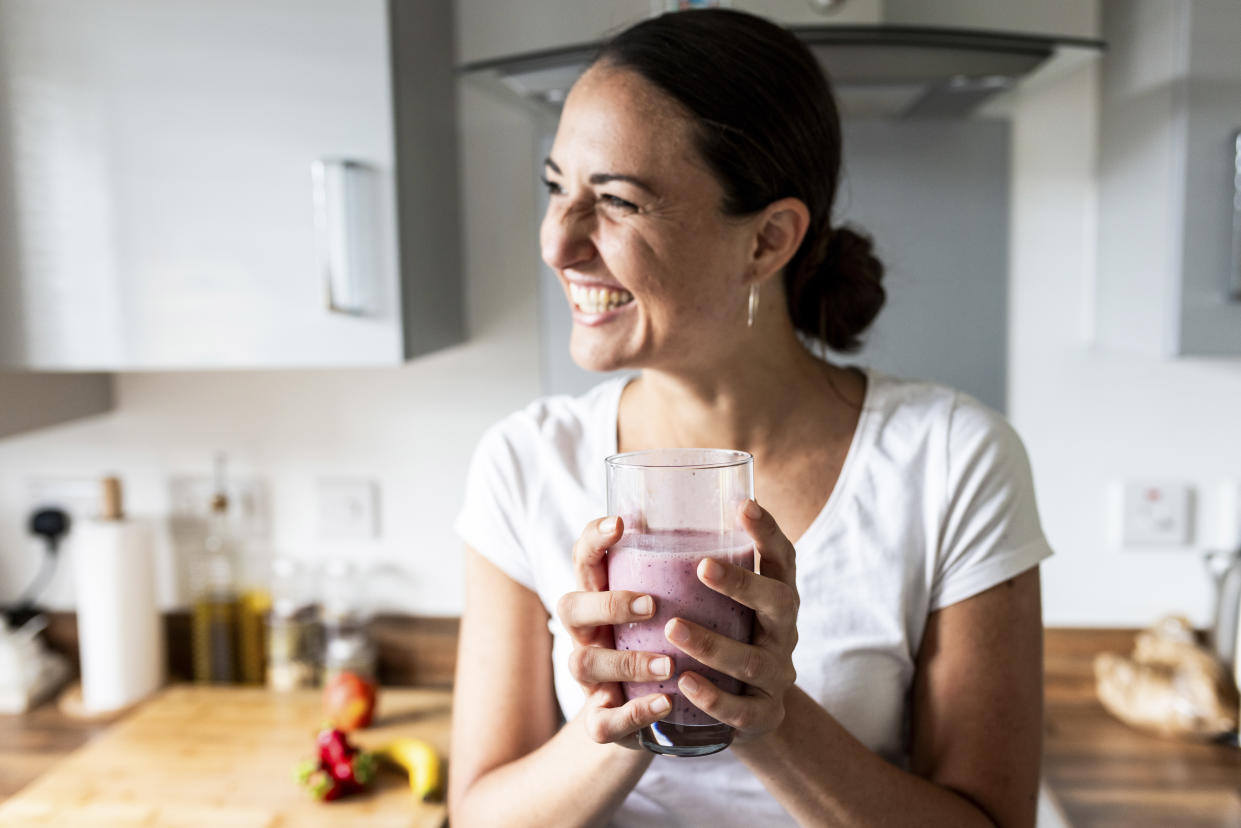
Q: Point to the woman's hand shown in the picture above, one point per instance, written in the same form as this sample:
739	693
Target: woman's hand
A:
766	664
598	666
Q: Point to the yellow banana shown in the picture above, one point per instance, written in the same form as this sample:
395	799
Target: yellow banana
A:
420	761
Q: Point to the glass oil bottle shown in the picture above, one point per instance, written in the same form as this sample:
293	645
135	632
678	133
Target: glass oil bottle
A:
216	616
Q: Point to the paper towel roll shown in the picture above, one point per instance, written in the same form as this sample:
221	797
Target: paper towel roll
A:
120	632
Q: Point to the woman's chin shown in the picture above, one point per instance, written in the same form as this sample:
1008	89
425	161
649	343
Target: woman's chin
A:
597	365
590	357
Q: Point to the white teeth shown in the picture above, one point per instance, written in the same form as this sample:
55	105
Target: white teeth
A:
597	300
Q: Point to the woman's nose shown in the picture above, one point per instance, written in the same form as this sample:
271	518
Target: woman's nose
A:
564	237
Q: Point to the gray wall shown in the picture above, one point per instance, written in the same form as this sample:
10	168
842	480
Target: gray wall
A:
935	197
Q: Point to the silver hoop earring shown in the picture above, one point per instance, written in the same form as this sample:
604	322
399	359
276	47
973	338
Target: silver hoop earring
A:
753	311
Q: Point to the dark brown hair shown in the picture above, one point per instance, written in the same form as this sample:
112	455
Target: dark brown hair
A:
768	127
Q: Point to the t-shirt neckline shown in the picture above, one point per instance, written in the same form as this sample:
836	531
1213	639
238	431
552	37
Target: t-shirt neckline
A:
857	446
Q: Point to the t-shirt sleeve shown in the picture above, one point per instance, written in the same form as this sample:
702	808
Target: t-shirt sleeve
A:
492	520
991	530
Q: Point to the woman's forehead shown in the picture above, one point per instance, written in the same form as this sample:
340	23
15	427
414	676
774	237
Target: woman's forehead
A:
620	114
637	93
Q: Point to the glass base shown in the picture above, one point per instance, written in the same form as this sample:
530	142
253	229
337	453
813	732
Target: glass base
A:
670	739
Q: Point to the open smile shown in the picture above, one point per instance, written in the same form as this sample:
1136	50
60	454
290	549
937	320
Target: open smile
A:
596	300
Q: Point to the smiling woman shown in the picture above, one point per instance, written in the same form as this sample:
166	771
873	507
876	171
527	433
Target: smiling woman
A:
895	662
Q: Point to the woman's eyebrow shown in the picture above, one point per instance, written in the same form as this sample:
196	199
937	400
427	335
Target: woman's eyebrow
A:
604	178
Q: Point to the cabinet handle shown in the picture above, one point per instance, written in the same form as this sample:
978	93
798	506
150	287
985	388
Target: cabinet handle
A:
344	231
1234	277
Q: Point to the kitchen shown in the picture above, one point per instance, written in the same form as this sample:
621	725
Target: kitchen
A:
1093	410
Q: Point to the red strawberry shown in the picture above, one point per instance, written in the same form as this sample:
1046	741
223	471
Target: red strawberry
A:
334	746
358	769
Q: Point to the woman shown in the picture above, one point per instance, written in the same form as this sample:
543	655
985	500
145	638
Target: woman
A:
895	670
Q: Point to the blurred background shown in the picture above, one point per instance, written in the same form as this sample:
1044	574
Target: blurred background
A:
285	253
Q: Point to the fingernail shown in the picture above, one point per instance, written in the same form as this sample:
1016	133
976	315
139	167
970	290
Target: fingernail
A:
676	632
608	525
661	705
689	684
752	511
643	606
661	667
710	570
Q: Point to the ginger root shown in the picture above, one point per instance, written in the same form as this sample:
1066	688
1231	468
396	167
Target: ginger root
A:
1169	685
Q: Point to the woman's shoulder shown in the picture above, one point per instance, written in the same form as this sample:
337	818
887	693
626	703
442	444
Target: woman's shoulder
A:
560	422
924	410
926	401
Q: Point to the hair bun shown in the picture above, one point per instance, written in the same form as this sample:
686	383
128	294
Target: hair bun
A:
840	298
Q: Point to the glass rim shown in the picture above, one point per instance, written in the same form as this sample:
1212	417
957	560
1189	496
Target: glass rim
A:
729	458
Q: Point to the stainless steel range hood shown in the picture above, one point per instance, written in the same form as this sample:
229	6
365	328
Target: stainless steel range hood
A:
878	71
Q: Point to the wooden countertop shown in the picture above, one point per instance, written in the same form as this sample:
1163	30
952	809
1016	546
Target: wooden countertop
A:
224	755
33	742
1102	773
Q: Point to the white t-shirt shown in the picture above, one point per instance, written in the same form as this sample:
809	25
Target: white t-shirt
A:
934	504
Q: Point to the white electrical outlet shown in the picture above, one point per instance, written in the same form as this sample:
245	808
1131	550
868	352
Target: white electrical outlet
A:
348	509
82	499
1155	513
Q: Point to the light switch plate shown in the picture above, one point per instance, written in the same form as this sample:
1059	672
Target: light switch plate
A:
1156	513
348	509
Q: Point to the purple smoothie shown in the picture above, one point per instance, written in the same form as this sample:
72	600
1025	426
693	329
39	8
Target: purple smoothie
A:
664	565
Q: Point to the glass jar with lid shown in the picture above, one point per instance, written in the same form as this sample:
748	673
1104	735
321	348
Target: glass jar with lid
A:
293	631
347	643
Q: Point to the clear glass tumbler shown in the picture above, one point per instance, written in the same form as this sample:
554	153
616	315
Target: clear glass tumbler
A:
680	506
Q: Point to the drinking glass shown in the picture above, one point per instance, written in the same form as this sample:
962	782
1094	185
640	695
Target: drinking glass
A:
680	506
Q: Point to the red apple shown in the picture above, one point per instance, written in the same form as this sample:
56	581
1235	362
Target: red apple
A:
349	701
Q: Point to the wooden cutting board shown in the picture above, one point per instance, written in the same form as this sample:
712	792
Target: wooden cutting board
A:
225	756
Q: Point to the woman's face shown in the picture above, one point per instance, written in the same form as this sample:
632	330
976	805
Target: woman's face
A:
654	273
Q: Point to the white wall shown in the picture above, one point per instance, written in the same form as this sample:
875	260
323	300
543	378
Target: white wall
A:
410	428
1090	417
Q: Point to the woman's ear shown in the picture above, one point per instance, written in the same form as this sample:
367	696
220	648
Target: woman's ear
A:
781	226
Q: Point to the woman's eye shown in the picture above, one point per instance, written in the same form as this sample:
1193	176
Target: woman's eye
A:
613	201
552	187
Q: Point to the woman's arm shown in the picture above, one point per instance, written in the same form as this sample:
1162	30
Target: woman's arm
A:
510	765
976	730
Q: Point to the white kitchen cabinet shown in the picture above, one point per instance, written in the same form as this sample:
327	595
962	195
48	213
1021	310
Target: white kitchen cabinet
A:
156	183
1170	178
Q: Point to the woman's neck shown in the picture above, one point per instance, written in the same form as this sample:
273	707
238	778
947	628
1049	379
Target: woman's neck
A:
767	401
